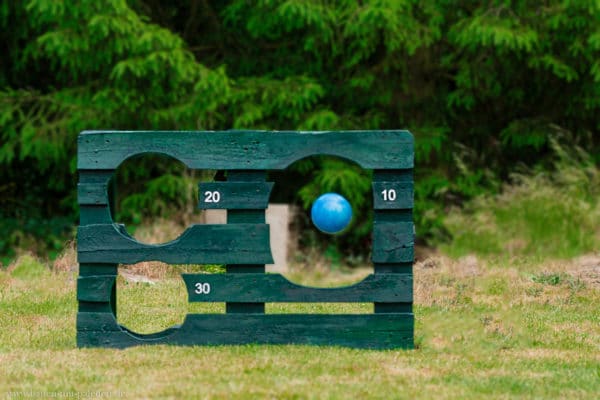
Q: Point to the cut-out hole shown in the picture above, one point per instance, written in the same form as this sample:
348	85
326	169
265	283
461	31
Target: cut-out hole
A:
315	258
156	197
324	277
152	297
319	308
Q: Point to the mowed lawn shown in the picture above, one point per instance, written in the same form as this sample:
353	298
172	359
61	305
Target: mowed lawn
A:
510	329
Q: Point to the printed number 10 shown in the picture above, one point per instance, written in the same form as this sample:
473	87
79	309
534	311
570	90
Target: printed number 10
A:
389	194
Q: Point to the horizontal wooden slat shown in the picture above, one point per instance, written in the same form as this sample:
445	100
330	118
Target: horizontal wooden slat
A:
378	331
393	242
234	195
97	322
251	287
257	150
92	193
394	268
199	244
95	176
94	214
392	195
95	288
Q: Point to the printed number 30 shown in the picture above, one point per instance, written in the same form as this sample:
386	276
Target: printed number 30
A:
202	288
212	197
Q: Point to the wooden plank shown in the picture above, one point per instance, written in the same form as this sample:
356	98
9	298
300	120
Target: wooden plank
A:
242	217
94	214
97	322
392	195
393	242
92	193
234	195
377	331
255	150
199	244
386	256
107	271
95	176
394	268
95	288
253	287
93	196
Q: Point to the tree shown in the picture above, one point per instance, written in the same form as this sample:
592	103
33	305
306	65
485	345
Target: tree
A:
483	86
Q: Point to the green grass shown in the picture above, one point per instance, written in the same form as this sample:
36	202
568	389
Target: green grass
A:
482	331
544	215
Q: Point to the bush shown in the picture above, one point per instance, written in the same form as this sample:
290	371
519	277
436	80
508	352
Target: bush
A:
543	214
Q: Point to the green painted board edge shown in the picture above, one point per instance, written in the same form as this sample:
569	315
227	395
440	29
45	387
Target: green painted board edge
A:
234	195
376	331
393	242
92	193
256	287
95	288
199	244
246	150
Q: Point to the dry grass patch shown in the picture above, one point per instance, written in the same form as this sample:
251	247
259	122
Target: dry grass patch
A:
483	330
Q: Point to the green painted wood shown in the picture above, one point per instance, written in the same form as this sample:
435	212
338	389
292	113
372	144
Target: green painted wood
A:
98	322
243	217
234	195
243	244
254	150
107	271
276	288
94	214
95	288
393	242
95	176
199	244
390	195
393	268
390	260
377	331
92	193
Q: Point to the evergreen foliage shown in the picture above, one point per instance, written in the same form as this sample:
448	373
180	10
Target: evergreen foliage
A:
484	86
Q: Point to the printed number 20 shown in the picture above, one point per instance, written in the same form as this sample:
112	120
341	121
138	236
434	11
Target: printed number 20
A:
389	194
212	197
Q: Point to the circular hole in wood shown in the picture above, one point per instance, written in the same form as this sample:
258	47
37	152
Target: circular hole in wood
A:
152	296
303	253
156	198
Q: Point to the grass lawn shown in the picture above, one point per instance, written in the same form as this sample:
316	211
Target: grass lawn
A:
514	329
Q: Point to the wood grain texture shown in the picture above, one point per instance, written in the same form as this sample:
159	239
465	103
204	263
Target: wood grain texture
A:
393	242
95	288
199	244
94	214
235	195
243	244
377	331
403	192
92	193
241	217
256	150
276	288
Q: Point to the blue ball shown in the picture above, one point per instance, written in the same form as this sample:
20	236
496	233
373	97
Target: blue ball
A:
331	213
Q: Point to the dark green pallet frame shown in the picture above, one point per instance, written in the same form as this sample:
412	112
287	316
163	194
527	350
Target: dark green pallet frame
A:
243	244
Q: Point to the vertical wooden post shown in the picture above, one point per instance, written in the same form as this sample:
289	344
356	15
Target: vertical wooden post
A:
245	216
393	215
96	212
